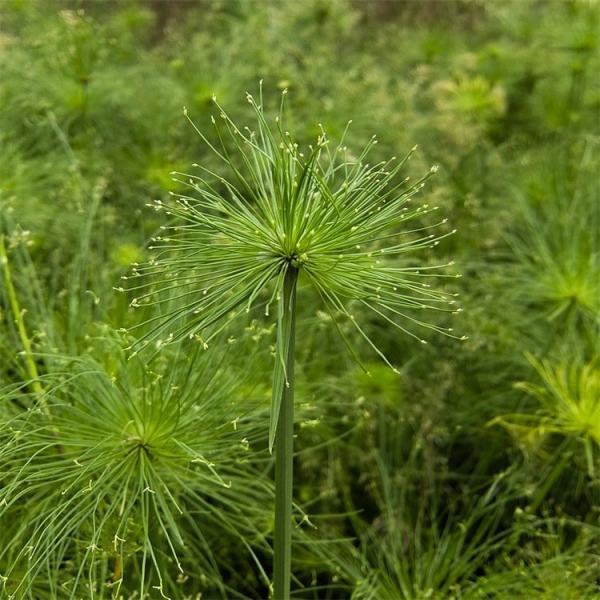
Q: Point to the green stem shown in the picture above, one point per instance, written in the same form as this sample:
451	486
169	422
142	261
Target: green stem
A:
20	322
284	449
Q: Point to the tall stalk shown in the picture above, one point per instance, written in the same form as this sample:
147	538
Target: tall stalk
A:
18	317
284	447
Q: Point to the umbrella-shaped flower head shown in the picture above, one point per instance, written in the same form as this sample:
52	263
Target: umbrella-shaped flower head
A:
332	218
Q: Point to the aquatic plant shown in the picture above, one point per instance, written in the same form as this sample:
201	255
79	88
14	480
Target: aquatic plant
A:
282	215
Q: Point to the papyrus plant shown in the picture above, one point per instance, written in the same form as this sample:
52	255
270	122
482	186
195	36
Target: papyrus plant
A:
283	215
568	408
126	479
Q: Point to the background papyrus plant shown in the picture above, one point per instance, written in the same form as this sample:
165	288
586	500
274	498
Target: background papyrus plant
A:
285	215
153	465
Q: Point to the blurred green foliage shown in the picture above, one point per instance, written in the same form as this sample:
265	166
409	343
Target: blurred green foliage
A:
475	472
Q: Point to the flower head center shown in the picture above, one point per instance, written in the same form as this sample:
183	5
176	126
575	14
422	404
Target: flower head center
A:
297	259
139	444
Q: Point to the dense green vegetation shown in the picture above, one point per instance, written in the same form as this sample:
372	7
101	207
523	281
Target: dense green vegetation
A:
473	472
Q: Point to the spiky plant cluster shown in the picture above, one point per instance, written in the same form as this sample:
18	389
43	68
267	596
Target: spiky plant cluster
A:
413	551
340	221
554	268
124	476
568	397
